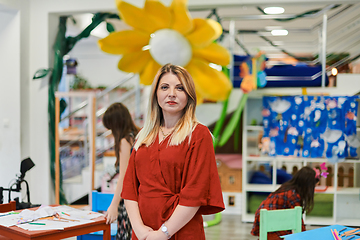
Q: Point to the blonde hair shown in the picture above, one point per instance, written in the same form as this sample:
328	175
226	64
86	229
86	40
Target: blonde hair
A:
155	118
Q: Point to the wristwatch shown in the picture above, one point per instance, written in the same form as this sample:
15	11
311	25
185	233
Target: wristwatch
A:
165	230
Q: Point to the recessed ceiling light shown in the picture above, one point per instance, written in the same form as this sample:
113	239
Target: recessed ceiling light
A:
274	10
279	32
334	71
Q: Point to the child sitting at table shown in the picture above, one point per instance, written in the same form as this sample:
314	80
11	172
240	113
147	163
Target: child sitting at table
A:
299	191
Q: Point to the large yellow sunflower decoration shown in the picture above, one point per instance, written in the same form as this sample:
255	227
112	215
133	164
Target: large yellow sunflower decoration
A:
163	35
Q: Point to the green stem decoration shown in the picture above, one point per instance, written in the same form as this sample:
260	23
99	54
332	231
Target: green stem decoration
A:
53	85
219	124
62	46
234	121
215	221
237	135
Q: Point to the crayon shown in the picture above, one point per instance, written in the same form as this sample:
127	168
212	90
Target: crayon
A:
65	214
342	229
333	234
10	213
35	223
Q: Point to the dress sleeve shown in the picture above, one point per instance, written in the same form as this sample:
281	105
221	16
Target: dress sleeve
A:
131	182
200	183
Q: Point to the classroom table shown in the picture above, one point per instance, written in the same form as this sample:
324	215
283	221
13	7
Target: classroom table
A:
17	233
323	233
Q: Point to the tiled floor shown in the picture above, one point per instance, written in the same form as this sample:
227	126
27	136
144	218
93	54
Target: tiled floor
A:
230	228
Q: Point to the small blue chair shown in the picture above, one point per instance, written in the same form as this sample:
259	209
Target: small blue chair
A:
100	202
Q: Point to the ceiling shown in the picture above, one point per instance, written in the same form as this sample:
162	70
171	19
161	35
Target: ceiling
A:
252	28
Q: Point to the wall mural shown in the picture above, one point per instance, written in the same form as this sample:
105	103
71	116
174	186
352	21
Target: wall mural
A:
310	126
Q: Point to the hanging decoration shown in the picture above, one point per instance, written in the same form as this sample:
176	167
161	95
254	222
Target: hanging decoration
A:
310	126
253	77
321	171
252	72
161	35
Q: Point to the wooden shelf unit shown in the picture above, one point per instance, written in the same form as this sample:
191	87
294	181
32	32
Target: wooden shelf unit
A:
346	200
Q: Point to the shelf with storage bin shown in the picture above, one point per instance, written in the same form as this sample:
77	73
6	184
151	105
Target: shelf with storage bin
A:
347	209
341	190
64	151
349	222
319	220
323	206
324	190
351	191
254	128
72	134
284	159
260	187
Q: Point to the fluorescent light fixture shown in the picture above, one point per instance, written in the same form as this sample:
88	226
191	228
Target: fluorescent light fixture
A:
274	10
334	71
279	32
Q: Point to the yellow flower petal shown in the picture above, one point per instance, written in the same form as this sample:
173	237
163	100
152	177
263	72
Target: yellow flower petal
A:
160	14
148	74
134	62
210	83
135	17
204	33
182	21
124	42
214	53
199	98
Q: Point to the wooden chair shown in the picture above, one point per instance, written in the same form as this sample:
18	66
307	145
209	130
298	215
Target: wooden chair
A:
100	202
279	220
7	207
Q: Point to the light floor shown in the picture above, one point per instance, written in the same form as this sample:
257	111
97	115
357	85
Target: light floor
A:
230	228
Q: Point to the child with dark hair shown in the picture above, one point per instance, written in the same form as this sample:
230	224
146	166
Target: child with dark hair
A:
118	119
299	191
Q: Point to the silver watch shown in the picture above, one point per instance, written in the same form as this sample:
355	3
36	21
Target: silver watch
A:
165	230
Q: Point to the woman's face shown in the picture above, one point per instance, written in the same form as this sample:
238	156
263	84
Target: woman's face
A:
171	95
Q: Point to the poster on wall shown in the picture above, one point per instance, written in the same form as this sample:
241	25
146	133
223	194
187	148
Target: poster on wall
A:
310	126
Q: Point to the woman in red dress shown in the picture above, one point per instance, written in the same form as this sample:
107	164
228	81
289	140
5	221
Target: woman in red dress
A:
172	177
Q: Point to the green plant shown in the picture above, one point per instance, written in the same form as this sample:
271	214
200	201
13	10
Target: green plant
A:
80	82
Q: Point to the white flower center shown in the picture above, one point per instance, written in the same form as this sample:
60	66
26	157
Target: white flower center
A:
169	46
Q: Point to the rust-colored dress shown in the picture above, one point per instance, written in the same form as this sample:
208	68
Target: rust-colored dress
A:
160	177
